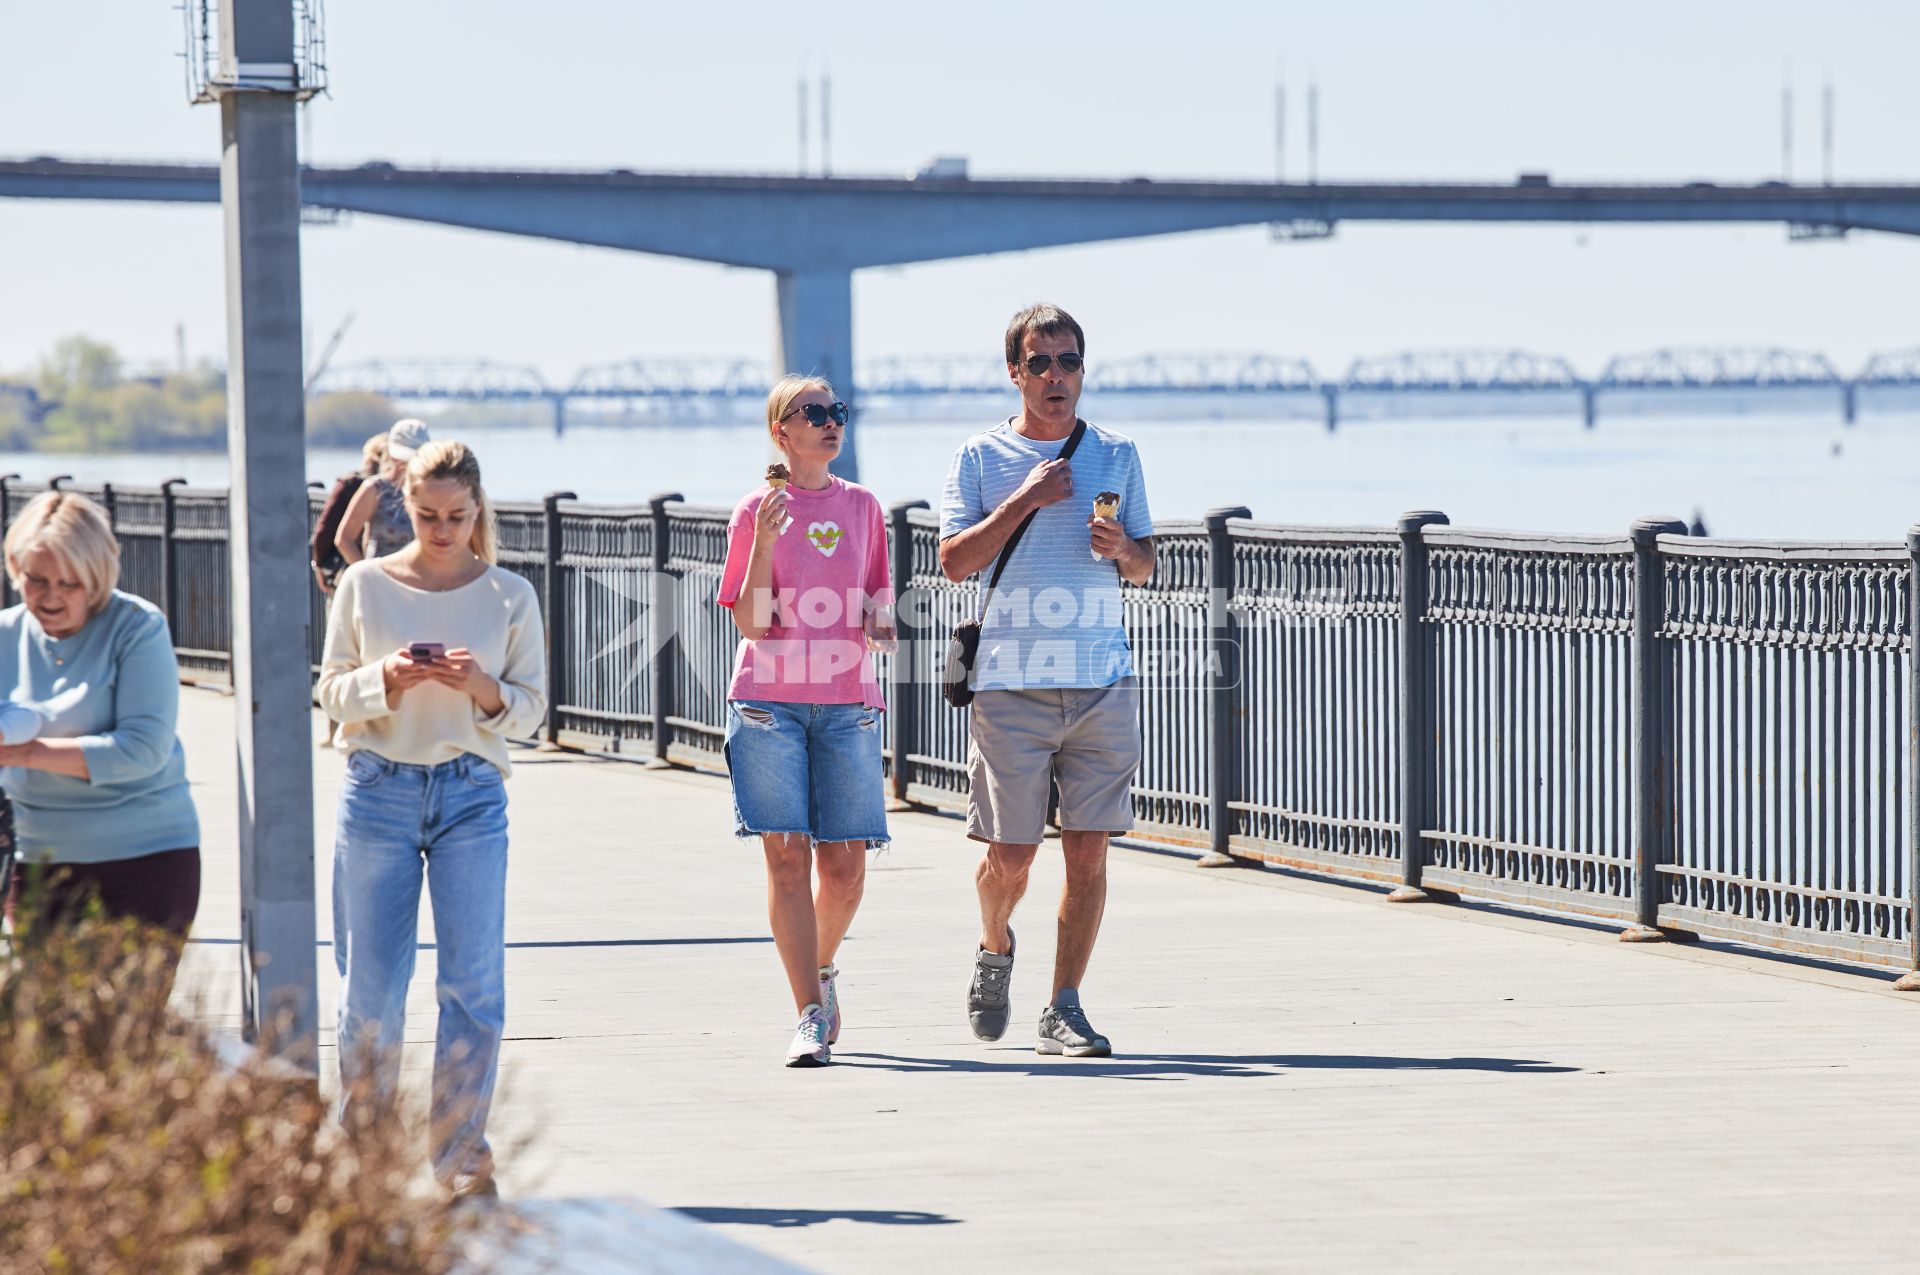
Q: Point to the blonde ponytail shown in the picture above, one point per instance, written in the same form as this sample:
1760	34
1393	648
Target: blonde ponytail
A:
449	458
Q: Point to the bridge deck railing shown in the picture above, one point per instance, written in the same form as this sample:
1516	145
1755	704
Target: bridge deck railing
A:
1710	737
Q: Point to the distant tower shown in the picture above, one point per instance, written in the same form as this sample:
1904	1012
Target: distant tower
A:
802	87
1280	125
1313	132
1826	133
826	124
1786	126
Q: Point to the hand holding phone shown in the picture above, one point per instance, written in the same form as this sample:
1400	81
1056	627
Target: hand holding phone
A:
407	667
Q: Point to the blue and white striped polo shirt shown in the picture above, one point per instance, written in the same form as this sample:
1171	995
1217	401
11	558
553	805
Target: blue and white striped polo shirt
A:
1055	619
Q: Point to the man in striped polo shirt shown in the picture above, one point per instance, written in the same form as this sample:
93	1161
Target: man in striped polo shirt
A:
1056	700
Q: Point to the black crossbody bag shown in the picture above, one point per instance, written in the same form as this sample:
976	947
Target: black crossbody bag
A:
964	648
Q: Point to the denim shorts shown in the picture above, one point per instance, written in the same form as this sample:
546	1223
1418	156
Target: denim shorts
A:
806	768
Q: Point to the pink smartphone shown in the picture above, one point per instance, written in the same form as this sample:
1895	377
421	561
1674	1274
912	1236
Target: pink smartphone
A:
425	652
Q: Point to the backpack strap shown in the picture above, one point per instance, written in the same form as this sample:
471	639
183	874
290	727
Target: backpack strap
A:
1006	552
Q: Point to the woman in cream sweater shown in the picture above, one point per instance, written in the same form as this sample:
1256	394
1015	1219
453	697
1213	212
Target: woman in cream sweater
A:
434	658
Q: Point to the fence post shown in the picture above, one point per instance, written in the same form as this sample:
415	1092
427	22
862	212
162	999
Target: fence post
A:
168	518
1416	703
6	520
1652	811
903	705
1223	684
1910	981
663	641
554	602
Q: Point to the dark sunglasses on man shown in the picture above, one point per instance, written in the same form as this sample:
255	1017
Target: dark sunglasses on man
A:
818	416
1038	364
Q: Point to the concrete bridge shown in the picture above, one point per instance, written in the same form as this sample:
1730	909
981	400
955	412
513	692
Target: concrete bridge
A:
814	232
1305	1078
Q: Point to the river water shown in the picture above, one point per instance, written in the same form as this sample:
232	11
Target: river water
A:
1773	475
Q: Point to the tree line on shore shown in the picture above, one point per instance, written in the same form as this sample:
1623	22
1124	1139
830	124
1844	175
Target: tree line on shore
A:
80	397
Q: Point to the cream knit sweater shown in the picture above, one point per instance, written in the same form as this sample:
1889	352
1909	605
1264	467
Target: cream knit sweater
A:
496	616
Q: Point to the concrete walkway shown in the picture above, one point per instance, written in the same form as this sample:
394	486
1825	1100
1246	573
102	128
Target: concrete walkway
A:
1305	1077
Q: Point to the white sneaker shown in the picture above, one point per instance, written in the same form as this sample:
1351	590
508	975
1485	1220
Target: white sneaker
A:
830	1001
810	1046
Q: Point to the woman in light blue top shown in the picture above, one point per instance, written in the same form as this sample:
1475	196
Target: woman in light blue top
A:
100	794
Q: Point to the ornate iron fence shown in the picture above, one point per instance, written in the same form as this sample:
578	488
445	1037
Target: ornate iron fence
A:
1786	737
1531	719
1313	629
1700	737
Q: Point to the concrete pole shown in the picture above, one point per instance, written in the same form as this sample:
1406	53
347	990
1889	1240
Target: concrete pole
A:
816	337
266	445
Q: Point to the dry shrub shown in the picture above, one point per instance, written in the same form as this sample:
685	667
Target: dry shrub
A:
127	1144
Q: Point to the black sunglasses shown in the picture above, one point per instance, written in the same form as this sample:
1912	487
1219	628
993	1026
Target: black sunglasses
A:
818	416
1038	364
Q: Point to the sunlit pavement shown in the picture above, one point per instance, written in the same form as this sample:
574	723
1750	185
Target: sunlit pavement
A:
1304	1077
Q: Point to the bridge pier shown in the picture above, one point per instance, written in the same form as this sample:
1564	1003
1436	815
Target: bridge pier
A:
1589	404
1850	401
559	415
1332	395
816	337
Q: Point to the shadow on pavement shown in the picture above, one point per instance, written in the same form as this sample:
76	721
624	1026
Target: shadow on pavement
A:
1170	1066
813	1217
552	943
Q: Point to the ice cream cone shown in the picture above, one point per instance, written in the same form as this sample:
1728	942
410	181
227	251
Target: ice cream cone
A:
1105	505
777	478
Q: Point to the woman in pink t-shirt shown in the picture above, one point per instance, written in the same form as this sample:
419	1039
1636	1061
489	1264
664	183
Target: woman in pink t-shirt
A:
806	580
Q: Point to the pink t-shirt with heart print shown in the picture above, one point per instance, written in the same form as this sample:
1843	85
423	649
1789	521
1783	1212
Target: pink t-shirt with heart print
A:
828	569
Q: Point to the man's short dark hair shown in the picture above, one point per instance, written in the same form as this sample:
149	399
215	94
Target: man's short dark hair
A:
1041	320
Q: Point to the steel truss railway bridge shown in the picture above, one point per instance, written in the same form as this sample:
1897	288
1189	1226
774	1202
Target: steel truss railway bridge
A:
704	382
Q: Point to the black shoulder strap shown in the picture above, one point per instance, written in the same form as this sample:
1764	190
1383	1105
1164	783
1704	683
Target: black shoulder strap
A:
1000	563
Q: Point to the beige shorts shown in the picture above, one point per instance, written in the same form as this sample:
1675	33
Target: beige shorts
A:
1086	741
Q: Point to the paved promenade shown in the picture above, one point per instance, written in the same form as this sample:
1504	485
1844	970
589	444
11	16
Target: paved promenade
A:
1305	1078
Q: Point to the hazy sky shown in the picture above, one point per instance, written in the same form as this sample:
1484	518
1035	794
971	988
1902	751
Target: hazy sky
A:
1471	89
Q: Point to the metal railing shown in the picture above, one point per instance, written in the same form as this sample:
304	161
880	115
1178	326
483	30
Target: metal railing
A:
1702	737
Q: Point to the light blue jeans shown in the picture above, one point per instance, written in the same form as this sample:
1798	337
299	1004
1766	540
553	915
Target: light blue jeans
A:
396	823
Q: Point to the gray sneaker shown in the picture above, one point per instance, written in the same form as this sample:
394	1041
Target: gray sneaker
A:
987	994
1065	1030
